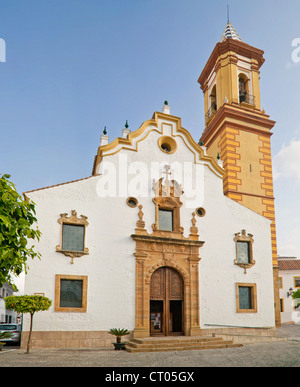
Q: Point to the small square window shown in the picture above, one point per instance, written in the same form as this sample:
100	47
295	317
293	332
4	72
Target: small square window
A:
246	298
245	301
73	237
165	220
70	293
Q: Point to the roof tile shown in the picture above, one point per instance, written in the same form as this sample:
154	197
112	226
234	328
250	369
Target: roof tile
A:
289	264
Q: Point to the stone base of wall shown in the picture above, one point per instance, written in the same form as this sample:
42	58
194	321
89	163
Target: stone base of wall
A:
76	339
245	335
102	339
235	330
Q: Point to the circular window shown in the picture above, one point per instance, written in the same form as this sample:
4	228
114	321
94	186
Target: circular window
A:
165	147
132	202
200	211
167	144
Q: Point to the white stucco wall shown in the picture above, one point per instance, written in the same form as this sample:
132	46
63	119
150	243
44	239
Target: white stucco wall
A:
289	314
110	265
218	274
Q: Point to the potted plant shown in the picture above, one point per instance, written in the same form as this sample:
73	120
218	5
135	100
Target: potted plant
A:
119	332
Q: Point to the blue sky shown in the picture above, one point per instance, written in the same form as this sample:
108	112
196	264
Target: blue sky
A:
75	66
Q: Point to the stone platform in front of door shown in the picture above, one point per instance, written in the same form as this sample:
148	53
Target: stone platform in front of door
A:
210	339
178	343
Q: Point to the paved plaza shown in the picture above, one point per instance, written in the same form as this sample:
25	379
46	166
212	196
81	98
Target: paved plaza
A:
277	354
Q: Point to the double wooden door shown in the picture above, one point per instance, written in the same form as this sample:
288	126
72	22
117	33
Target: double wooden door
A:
166	302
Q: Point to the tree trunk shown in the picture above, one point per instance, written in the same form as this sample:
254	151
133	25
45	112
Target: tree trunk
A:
30	330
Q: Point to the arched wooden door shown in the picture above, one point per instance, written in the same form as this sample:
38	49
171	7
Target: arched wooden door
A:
166	302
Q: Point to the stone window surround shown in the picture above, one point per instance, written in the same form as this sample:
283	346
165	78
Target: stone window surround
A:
57	307
167	144
200	211
244	238
253	297
72	220
169	204
130	200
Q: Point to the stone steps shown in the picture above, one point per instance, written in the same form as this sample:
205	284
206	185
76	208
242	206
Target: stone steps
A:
179	343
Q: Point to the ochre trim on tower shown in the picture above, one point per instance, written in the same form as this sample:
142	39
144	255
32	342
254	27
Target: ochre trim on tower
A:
230	47
239	119
240	132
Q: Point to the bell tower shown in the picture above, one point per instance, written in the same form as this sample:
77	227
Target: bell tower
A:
238	131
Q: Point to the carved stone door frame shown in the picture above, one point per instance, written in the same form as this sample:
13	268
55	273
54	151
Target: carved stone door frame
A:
171	249
166	291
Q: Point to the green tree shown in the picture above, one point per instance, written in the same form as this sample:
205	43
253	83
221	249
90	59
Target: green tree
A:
296	297
27	304
17	226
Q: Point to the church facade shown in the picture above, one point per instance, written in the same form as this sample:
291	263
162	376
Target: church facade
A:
166	236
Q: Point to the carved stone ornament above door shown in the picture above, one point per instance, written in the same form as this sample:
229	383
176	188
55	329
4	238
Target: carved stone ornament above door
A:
167	198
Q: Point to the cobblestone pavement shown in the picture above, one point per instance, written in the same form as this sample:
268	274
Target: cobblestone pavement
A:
278	354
